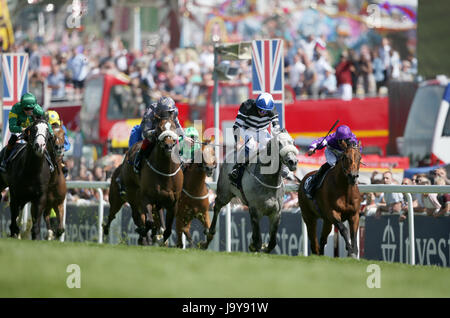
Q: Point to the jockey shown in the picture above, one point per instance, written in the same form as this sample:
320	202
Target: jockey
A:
186	149
164	108
20	117
252	121
332	153
53	119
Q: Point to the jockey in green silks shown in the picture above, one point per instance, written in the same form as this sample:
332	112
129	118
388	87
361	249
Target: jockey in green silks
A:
188	149
20	117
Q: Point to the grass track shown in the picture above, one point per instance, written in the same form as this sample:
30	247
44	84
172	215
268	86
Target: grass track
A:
38	269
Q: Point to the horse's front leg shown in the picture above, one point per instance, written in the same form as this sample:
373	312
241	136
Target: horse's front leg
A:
218	205
50	234
354	227
274	219
344	232
255	245
14	227
170	214
36	214
60	217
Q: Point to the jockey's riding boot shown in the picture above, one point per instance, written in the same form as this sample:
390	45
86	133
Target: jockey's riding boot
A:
7	153
143	152
122	191
311	190
137	161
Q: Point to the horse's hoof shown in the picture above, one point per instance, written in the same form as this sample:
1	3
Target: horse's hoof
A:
353	255
50	235
164	243
203	245
142	241
265	248
105	229
252	248
59	232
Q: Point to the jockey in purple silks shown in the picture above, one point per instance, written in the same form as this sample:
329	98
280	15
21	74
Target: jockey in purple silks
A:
332	153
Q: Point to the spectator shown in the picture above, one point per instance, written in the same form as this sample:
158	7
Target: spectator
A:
431	204
329	85
394	201
441	172
296	71
366	71
378	70
309	78
56	81
78	66
370	207
385	57
344	76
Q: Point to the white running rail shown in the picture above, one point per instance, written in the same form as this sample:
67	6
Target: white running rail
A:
407	189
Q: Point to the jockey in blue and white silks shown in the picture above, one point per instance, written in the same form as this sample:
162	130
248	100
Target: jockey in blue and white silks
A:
252	123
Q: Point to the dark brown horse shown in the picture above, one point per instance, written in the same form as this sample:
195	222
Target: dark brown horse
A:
28	176
158	185
336	201
57	187
194	202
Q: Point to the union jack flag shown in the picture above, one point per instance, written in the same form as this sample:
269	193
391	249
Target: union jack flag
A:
268	72
14	70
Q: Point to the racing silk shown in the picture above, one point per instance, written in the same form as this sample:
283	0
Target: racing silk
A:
17	118
248	118
148	122
331	142
66	139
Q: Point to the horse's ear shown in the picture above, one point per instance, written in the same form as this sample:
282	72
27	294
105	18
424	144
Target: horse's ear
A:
359	144
343	144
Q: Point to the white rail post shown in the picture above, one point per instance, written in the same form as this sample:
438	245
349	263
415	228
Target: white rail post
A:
305	237
412	248
100	215
228	227
63	236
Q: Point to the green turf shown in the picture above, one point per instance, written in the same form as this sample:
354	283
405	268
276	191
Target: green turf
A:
38	269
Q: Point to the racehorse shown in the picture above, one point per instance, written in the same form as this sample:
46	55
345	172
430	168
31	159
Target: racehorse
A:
57	187
262	191
158	185
194	202
29	175
336	201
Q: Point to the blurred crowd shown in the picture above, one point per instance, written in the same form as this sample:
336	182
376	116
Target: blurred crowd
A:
310	68
431	204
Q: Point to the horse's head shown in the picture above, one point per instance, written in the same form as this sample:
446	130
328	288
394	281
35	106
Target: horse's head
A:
59	139
209	162
38	136
288	151
166	135
351	158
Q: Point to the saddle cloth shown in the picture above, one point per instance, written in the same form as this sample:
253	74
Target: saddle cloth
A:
318	182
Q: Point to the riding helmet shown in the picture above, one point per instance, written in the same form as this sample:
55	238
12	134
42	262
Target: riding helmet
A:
28	100
53	117
343	132
265	102
165	107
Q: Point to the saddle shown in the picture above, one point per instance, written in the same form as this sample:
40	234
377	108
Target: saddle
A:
19	147
319	182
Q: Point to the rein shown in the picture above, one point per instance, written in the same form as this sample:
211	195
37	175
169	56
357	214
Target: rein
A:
162	173
265	184
194	197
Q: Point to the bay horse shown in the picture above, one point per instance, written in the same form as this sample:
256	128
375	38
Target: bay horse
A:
28	175
262	189
336	201
158	185
57	187
194	202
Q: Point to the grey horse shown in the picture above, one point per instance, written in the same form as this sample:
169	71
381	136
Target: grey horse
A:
262	192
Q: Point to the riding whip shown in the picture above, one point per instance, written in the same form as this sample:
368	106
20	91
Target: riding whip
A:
328	133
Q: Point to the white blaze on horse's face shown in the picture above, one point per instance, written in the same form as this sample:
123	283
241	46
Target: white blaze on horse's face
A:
288	152
39	141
